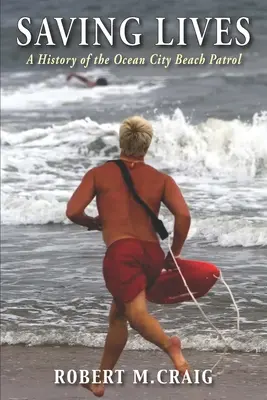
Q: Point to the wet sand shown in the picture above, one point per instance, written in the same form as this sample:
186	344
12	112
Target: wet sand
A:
28	373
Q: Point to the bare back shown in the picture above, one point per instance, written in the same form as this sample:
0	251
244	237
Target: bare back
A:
120	215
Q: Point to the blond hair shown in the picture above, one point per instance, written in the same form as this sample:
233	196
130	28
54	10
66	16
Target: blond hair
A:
135	136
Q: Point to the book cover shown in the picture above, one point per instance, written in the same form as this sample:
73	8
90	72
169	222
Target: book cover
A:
71	72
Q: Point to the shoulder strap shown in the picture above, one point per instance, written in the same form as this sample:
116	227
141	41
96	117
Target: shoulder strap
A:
156	222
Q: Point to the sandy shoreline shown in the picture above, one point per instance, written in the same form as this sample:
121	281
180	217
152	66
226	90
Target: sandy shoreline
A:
28	373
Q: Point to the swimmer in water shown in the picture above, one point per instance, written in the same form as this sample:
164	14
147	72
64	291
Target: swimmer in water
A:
87	82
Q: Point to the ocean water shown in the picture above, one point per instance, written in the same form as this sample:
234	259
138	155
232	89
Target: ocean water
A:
210	127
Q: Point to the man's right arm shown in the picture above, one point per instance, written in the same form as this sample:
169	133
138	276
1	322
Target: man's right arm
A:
82	79
175	202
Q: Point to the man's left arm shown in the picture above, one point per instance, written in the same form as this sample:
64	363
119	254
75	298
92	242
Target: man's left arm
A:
80	199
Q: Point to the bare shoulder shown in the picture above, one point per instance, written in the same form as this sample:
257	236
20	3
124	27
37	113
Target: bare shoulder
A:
169	180
104	172
156	172
103	168
166	179
89	174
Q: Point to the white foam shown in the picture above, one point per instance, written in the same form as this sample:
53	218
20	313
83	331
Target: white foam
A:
244	342
215	147
55	92
228	232
42	167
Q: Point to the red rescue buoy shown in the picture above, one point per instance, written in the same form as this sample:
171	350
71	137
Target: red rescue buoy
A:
169	288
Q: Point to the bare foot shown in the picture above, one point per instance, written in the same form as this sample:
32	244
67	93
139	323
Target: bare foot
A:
96	388
175	353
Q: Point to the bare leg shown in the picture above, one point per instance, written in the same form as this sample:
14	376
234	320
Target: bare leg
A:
115	342
150	329
116	339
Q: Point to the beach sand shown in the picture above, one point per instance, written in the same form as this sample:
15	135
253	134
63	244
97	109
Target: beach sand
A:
28	373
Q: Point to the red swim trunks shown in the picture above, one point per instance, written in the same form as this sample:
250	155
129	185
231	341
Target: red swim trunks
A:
130	266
